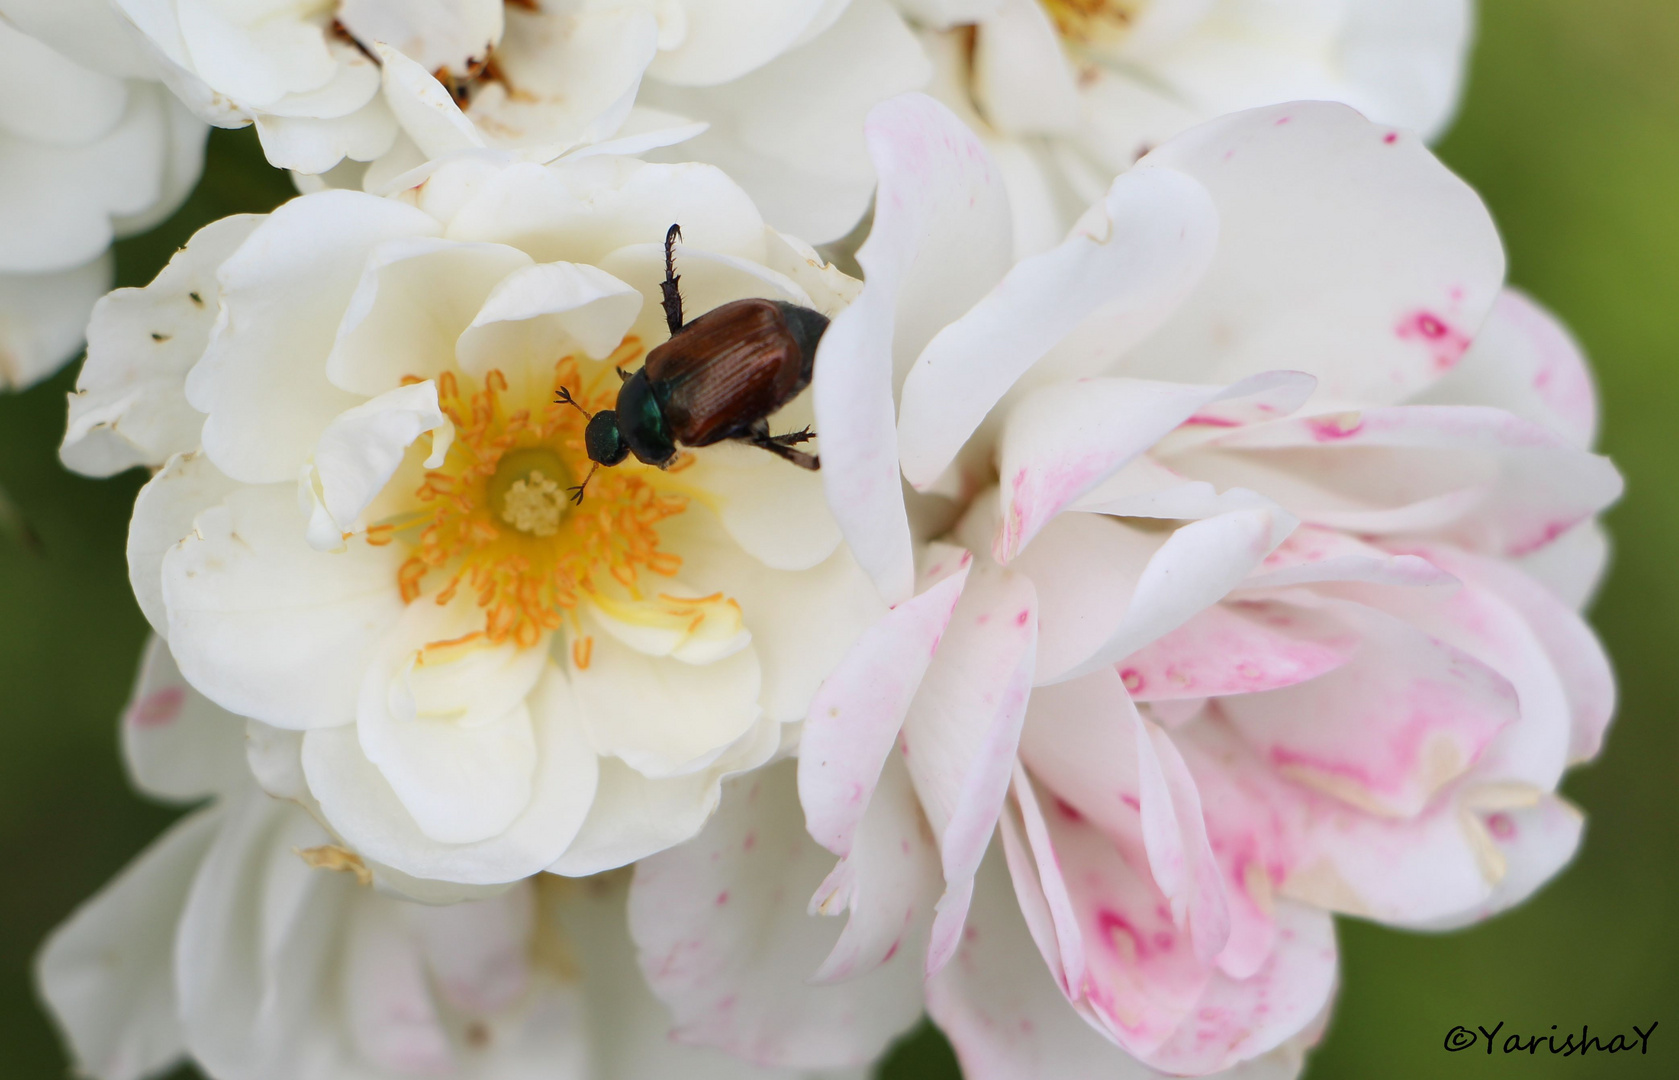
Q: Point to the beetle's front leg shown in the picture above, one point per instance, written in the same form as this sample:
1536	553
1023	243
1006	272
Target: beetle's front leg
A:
793	438
672	302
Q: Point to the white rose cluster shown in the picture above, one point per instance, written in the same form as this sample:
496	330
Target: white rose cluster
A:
1052	455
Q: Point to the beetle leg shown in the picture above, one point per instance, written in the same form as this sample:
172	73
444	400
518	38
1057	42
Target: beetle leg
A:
672	302
577	492
765	441
562	396
794	437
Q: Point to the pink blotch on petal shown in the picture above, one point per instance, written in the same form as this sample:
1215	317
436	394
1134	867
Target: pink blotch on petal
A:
159	708
1446	344
1333	428
1501	826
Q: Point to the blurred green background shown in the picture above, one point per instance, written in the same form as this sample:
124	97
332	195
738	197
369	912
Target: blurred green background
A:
1571	132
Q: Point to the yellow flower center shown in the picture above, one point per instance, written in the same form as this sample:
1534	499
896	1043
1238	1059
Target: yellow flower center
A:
1093	22
496	518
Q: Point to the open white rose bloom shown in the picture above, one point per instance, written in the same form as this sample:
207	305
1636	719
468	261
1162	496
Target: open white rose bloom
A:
1261	516
245	938
362	532
1067	93
92	147
778	87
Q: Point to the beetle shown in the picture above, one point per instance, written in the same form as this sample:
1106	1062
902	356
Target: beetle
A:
718	377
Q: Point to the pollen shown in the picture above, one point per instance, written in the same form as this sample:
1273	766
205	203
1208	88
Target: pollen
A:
1093	22
495	522
534	505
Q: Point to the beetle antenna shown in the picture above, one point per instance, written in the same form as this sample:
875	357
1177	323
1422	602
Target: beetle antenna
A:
672	302
562	396
623	376
577	492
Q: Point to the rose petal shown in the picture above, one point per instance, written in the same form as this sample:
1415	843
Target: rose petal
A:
940	239
726	943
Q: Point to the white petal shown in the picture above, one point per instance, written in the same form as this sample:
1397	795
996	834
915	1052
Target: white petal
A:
1526	362
389	1013
1484	478
1301	178
263	377
855	717
582	210
1572	565
627	1029
480	951
962	729
1236	1020
130	407
164	513
82	150
43	318
778	515
311	145
661	716
725	39
106	971
576	71
1062	441
436	33
542	312
725	940
425	110
1534	844
266	626
1573	649
792	131
254	935
1196	566
176	744
940	239
887	883
1403	717
449	727
634	816
415	298
93	33
1127	266
357	455
796	651
1022	78
1002	1011
361	806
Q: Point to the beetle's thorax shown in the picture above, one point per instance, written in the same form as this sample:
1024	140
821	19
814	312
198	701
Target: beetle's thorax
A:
641	422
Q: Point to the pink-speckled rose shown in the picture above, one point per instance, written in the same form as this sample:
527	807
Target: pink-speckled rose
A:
1263	515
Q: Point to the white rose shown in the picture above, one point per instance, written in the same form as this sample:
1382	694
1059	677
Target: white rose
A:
371	544
248	941
782	85
91	148
773	92
1069	92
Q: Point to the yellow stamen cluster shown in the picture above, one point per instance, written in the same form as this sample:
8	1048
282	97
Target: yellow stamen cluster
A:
1093	22
496	518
